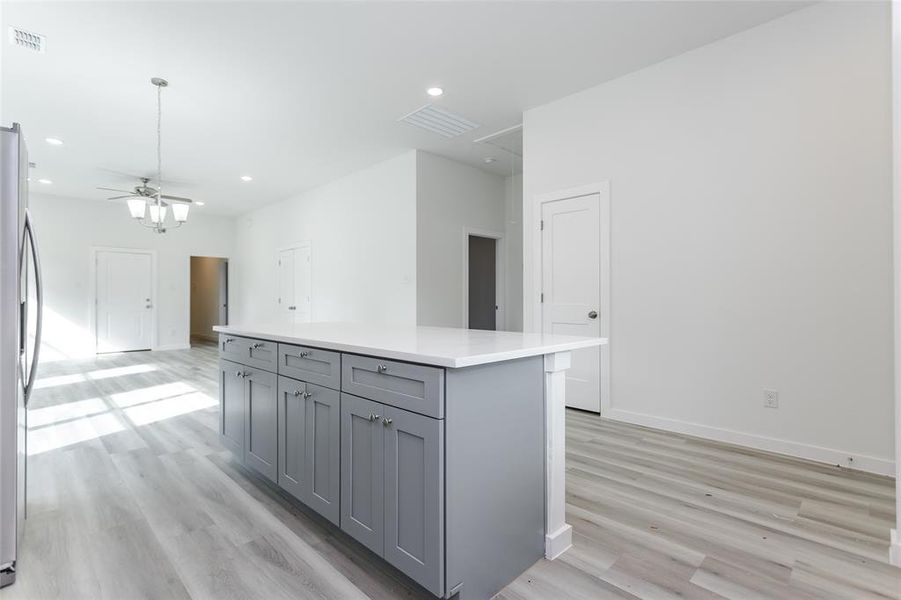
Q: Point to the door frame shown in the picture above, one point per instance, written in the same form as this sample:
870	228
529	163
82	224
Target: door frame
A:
500	257
92	307
228	300
602	189
278	251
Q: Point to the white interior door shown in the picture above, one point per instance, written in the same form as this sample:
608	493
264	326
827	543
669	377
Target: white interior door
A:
571	286
124	301
294	284
303	275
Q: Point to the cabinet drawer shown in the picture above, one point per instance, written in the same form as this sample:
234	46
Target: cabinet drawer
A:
310	364
249	351
412	387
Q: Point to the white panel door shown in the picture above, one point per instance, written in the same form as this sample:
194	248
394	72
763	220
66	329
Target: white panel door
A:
124	301
294	285
303	276
570	263
286	304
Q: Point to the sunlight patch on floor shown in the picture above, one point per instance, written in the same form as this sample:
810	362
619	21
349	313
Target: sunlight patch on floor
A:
120	371
151	412
49	382
72	432
38	417
149	394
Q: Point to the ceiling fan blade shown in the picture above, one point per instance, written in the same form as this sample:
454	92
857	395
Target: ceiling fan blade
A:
115	190
178	199
120	197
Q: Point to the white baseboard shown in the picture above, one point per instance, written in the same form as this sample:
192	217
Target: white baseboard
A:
558	542
172	347
862	462
894	550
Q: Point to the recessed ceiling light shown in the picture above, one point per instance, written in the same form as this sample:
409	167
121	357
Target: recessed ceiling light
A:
45	181
200	203
54	141
490	160
246	178
434	91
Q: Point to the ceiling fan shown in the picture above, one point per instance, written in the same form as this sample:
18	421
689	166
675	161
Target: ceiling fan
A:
143	197
143	191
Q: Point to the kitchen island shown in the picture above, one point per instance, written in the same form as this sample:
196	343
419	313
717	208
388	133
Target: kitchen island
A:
441	450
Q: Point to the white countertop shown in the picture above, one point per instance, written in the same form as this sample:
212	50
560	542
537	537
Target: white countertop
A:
439	346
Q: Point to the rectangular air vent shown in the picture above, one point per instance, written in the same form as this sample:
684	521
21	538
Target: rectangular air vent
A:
438	120
27	39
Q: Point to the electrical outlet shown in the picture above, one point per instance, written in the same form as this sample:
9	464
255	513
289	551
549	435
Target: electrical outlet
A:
771	398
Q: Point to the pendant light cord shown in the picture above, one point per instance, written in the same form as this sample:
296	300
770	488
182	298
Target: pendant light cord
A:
159	151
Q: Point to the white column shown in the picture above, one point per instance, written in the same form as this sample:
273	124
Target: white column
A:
895	548
558	534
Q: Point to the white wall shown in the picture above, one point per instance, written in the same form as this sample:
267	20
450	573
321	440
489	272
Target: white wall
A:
513	228
362	228
67	229
751	232
450	197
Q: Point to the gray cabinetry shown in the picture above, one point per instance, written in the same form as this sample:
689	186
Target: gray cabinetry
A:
309	445
310	364
414	496
412	387
260	425
231	406
362	476
249	351
392	476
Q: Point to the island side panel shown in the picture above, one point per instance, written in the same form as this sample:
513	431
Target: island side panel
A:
495	480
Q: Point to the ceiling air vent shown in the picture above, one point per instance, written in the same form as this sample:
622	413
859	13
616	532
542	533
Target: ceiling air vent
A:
27	39
439	121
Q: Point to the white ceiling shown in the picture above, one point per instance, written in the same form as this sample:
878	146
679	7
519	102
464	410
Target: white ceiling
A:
297	94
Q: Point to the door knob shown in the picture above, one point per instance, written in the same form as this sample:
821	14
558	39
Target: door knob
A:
593	314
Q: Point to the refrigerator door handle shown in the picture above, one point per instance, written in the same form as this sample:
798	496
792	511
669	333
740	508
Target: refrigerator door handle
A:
28	383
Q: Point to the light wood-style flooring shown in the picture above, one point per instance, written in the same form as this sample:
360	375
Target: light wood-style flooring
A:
131	496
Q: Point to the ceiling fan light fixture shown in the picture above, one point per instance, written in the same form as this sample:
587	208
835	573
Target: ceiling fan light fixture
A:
180	212
137	207
157	213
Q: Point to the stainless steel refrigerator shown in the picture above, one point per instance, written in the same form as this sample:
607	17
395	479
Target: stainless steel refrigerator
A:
21	312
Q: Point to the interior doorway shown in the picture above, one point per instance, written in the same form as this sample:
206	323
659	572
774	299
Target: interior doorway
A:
295	282
209	297
483	280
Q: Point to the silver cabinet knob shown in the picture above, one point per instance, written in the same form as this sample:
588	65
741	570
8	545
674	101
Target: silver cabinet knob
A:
292	308
237	373
229	340
307	395
257	345
382	368
373	417
246	374
593	314
386	422
297	393
304	354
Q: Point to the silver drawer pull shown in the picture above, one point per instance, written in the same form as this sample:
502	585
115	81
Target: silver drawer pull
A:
246	374
304	354
297	393
237	373
386	422
373	417
229	340
307	395
257	345
382	368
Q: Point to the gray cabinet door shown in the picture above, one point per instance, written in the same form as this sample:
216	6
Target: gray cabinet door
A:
414	496
231	407
292	429
261	422
323	451
362	472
